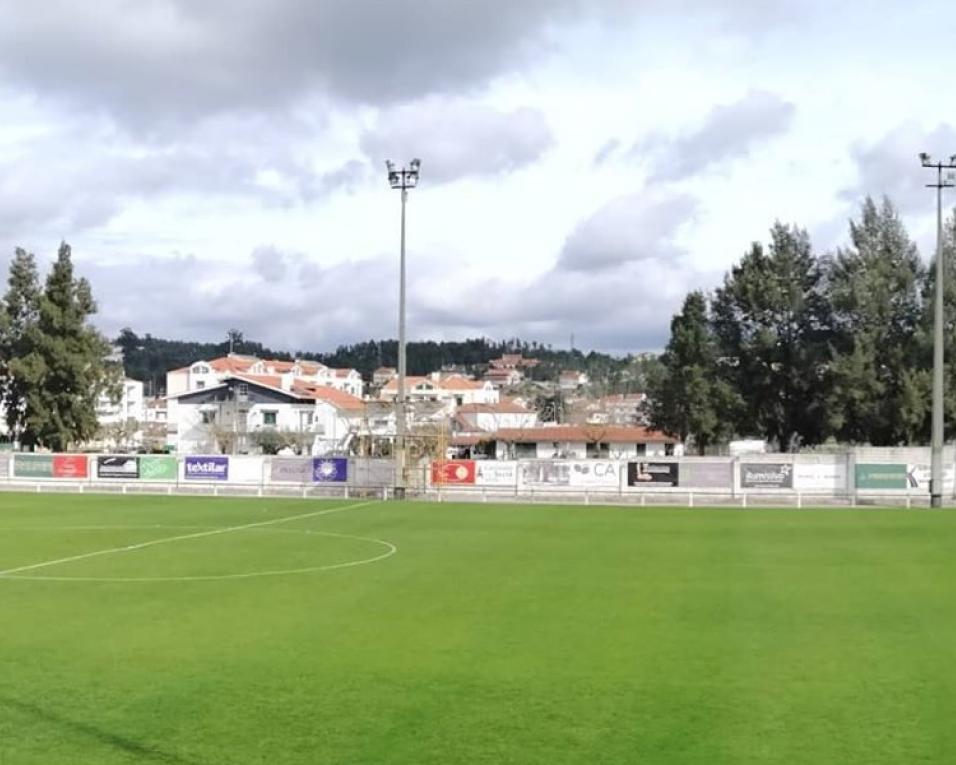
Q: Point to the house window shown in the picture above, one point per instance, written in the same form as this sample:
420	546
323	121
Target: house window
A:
208	418
200	384
242	389
669	450
524	451
269	418
641	449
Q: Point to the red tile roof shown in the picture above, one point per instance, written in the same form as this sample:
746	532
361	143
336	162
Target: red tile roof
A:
338	398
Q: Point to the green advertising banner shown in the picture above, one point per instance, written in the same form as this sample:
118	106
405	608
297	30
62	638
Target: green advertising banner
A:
33	465
890	476
158	468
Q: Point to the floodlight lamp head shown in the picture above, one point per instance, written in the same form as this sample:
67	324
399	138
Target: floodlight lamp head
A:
415	164
924	157
952	159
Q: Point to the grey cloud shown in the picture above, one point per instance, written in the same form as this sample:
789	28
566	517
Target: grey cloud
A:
457	139
156	62
636	228
72	178
729	131
891	165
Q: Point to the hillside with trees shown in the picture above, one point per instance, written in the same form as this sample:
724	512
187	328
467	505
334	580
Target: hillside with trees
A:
148	358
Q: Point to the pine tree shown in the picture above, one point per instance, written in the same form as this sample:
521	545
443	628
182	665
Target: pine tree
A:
772	321
62	368
688	397
20	315
875	288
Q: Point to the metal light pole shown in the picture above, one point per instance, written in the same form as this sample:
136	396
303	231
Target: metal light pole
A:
936	466
403	180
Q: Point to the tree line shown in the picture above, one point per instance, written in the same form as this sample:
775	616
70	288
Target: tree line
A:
799	347
54	365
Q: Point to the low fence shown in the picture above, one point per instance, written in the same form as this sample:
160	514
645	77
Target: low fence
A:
198	474
861	476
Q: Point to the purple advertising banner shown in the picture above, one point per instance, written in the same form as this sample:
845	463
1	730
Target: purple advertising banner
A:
325	469
207	468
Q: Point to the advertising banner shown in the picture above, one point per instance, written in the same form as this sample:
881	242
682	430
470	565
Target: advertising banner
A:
920	476
820	475
329	469
766	475
888	477
290	470
246	469
70	466
453	471
596	474
158	468
371	472
33	465
707	475
544	473
4	466
656	474
495	473
206	468
123	467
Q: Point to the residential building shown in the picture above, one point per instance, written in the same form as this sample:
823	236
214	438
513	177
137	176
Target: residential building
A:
571	380
615	409
449	390
382	375
228	415
509	369
206	374
490	417
129	405
570	442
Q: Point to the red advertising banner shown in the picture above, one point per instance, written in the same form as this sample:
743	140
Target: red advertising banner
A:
453	471
70	466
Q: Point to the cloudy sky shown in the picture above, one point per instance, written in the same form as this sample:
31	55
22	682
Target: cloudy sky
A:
220	163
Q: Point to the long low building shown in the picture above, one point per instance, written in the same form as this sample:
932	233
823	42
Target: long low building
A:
569	441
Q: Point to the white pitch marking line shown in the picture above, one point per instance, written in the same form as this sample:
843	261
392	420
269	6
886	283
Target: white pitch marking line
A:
181	537
391	550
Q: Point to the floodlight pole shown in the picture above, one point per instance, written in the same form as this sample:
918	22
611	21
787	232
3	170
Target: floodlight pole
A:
402	180
936	448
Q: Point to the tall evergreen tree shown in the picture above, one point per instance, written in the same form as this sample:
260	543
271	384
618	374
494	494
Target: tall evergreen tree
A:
688	397
62	364
875	287
772	321
21	307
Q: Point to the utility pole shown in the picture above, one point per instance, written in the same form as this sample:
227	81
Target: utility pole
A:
936	466
402	180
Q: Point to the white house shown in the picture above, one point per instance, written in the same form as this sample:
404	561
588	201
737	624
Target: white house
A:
490	417
324	419
452	390
205	374
129	406
573	442
570	380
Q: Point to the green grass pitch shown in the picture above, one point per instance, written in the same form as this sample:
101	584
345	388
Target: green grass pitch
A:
443	633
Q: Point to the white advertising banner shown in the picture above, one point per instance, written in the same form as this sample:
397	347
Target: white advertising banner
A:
918	477
829	476
245	469
496	473
596	474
